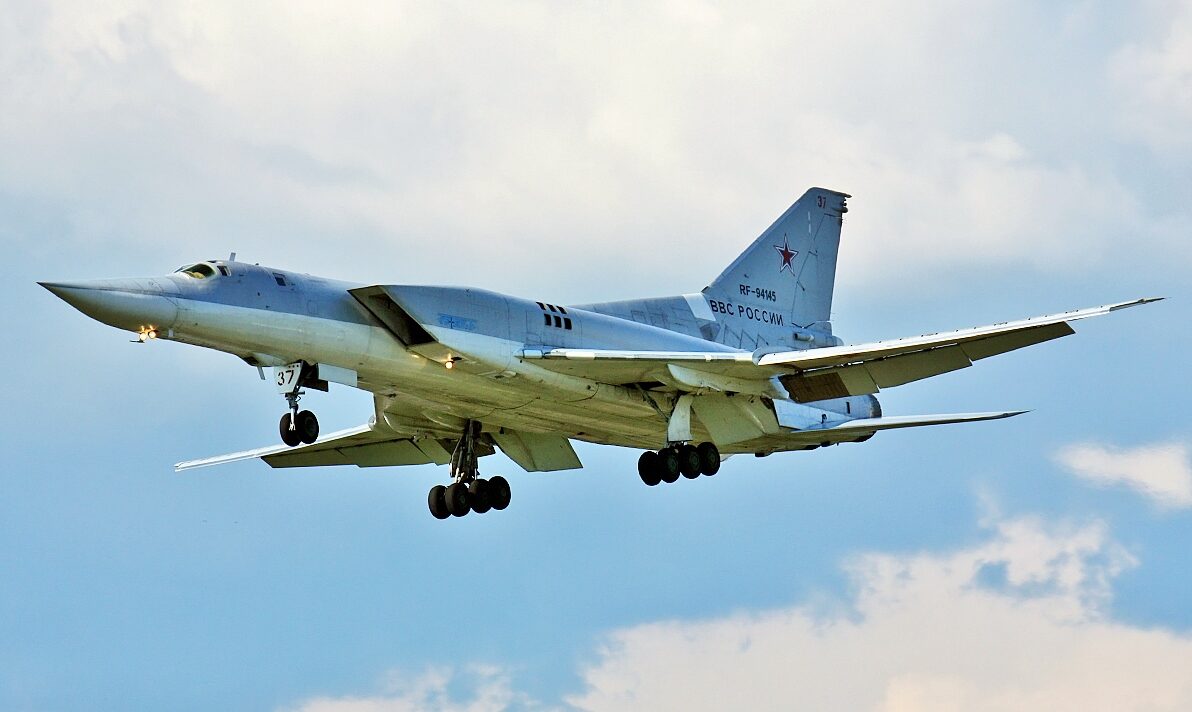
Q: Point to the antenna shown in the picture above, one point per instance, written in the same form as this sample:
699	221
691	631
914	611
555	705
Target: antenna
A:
232	257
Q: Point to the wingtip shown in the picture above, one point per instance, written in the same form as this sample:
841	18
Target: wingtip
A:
1003	414
1136	302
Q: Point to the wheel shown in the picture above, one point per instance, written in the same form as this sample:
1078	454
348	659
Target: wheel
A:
709	459
668	465
289	437
456	496
308	427
499	493
647	468
689	461
438	502
478	496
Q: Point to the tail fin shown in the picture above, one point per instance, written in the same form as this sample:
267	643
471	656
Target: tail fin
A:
782	284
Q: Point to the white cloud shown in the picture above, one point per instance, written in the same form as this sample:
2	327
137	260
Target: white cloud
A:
1162	472
1014	623
1154	76
488	691
406	132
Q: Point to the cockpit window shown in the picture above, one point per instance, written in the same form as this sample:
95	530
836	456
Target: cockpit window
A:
202	270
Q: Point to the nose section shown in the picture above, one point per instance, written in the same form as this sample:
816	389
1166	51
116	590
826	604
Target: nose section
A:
131	304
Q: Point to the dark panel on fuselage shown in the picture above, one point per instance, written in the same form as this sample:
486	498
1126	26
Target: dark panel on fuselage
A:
378	302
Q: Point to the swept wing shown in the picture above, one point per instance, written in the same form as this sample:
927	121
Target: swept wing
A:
370	446
833	372
362	446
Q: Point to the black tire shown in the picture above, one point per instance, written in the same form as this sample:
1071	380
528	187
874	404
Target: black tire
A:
478	496
499	493
438	502
668	465
709	459
688	461
289	437
456	496
648	468
308	427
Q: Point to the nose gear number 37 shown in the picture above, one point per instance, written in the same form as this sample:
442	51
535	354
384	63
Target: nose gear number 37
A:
287	377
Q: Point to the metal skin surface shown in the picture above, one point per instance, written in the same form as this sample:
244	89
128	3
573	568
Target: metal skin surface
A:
721	366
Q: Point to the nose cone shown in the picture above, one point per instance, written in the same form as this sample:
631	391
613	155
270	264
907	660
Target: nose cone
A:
130	304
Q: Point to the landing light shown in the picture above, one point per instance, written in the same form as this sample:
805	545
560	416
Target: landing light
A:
450	364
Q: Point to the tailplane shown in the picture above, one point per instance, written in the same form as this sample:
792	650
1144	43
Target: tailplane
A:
779	291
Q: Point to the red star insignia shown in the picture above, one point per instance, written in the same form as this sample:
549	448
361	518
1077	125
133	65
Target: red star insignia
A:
787	255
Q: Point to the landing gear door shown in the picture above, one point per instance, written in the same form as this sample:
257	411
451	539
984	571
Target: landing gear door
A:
288	378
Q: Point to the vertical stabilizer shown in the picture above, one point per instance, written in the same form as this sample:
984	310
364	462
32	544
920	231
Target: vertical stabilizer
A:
782	284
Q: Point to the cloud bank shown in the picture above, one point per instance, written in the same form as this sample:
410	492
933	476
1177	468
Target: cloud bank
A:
404	132
1155	76
1015	622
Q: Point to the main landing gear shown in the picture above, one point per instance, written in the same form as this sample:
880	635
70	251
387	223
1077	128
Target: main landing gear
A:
298	427
468	492
678	459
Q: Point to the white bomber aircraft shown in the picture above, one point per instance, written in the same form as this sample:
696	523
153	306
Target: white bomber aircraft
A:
748	365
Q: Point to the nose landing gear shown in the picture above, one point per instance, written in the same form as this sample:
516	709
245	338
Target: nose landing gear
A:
468	492
297	427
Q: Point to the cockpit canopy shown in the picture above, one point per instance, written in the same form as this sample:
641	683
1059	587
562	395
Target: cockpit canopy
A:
204	270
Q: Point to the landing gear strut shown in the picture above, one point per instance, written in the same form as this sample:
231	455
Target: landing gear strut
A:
677	459
468	492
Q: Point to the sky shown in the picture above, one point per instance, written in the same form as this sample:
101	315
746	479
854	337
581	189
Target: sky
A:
1005	160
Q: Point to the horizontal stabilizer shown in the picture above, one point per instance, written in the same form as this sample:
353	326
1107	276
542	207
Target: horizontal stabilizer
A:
914	421
863	429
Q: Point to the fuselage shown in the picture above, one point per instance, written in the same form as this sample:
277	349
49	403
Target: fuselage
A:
439	355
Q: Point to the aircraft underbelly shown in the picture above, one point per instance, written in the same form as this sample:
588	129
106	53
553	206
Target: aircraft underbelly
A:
521	396
525	406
